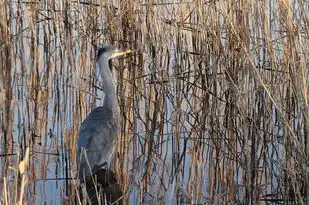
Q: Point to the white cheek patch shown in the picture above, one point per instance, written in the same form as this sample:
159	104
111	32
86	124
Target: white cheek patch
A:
116	55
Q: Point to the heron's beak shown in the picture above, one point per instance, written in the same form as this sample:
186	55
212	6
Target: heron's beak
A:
122	52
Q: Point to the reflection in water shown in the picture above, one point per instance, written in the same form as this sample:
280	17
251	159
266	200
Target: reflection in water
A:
103	187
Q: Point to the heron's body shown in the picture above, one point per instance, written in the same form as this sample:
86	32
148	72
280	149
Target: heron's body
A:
97	138
98	132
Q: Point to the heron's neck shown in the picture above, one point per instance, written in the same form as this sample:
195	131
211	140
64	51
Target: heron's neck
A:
110	99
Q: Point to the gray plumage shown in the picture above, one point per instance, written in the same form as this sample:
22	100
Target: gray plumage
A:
98	132
97	137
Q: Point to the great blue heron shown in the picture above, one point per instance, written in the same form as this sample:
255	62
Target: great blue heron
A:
98	132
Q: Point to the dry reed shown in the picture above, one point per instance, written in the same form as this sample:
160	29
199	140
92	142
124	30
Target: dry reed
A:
214	103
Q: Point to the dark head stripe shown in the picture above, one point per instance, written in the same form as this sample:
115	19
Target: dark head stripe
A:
105	49
100	52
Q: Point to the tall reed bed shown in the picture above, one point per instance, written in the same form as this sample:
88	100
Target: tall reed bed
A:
214	103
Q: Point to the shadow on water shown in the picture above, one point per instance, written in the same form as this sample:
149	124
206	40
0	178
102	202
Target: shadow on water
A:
103	187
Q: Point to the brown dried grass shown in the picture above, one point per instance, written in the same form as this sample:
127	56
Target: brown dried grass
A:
214	103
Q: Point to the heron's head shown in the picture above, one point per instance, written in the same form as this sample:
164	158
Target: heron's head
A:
108	52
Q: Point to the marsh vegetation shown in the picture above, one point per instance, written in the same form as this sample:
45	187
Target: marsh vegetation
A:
214	103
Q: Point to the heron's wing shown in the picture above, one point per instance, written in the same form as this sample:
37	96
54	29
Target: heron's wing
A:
96	139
